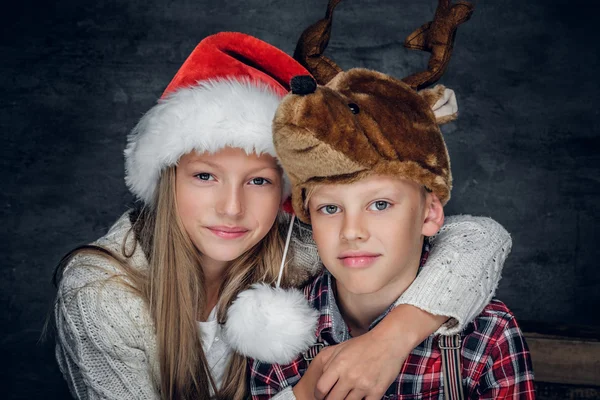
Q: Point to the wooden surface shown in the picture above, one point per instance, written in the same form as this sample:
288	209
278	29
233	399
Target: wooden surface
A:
564	360
554	391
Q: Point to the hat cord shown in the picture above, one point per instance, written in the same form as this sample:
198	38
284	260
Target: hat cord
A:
285	250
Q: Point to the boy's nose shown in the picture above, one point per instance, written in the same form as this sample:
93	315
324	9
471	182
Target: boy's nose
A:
354	229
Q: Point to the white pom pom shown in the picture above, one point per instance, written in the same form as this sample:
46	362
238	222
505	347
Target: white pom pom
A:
271	325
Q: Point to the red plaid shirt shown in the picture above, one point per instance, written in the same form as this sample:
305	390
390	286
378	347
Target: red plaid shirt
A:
495	359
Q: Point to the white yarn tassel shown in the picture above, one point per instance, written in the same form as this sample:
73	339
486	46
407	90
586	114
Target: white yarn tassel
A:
270	324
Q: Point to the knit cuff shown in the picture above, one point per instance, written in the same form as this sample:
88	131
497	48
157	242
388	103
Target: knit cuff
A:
285	394
462	272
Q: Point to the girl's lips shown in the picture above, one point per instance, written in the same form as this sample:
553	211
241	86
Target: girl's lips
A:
225	232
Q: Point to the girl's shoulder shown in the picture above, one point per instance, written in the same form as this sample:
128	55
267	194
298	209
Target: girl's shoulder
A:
104	327
97	267
94	292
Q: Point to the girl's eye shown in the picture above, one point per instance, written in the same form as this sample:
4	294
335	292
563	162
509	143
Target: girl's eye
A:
205	176
379	205
259	181
329	209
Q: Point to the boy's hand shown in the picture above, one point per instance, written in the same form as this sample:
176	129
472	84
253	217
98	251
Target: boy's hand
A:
364	367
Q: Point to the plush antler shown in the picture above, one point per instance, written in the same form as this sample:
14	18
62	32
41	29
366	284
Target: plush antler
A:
312	44
437	37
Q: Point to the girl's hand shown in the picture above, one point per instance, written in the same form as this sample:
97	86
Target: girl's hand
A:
305	388
364	367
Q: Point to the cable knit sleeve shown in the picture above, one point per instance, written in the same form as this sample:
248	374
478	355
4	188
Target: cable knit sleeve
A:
304	262
102	335
462	272
285	394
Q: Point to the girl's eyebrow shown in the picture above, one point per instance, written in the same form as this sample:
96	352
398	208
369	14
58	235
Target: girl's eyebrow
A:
257	169
197	161
221	167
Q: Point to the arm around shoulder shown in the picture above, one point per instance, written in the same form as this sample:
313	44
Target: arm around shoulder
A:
104	341
462	272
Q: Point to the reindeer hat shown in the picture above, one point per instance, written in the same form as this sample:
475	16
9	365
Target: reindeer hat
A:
359	122
362	122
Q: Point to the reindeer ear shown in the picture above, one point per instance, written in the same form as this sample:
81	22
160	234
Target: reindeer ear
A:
442	102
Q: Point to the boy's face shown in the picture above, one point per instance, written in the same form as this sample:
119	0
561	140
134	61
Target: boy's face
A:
369	233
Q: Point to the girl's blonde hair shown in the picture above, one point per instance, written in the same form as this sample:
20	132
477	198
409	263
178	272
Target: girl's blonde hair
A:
173	288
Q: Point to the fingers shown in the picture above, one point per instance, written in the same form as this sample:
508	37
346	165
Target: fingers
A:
325	383
327	354
356	394
339	391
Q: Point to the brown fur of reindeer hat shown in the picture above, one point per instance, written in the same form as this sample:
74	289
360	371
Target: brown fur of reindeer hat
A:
364	122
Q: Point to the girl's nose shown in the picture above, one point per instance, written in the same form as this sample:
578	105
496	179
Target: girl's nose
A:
231	201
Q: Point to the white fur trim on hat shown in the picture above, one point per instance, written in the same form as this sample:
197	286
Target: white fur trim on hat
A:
207	117
272	325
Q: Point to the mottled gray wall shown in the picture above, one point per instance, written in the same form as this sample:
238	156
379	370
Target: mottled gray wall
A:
76	76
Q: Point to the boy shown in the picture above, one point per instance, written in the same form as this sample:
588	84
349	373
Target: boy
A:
371	174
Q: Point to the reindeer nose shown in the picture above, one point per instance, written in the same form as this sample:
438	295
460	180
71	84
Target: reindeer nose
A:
303	84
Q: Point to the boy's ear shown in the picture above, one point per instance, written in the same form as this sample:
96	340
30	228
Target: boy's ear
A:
434	215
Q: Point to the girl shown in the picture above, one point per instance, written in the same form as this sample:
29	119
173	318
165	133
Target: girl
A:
139	312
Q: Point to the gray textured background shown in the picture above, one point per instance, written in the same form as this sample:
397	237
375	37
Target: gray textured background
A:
76	76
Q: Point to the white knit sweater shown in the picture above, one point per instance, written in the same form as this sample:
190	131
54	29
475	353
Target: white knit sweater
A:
106	346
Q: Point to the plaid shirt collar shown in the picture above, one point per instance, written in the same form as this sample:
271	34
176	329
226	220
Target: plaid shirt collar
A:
332	327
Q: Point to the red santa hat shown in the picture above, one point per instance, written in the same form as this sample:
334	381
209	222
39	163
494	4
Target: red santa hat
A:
225	95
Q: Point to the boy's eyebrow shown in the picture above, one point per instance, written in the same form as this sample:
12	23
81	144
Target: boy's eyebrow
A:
365	193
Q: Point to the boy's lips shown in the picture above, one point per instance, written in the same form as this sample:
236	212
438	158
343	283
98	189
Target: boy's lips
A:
228	232
358	259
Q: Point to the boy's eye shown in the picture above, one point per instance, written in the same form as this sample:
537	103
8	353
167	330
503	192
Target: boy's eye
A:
205	176
259	181
379	205
329	209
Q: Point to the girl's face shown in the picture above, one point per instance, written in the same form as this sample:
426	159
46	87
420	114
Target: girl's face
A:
227	201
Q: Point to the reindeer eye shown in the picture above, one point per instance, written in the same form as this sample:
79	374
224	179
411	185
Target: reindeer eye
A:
354	108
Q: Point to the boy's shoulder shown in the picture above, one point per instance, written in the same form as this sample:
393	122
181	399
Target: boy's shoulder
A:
494	328
495	353
496	313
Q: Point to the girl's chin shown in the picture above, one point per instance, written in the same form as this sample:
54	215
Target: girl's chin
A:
223	256
224	253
